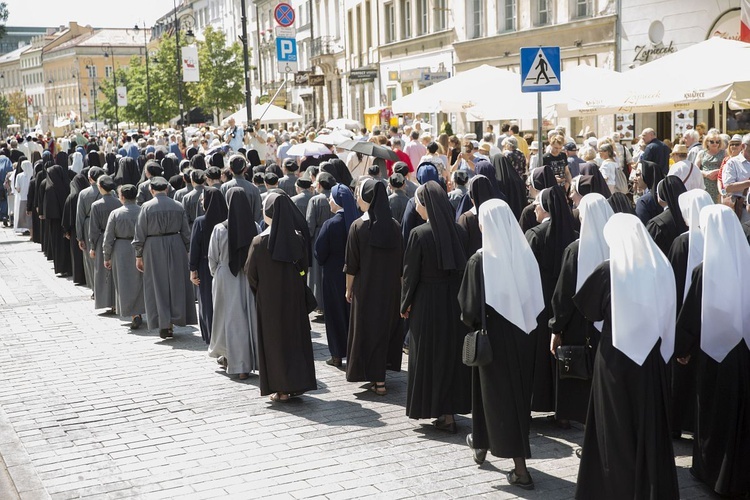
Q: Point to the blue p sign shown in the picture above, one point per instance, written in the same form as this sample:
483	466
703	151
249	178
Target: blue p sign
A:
286	49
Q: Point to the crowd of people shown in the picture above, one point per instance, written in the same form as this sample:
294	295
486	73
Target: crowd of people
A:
610	281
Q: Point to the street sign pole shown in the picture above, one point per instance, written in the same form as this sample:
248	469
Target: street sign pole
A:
539	63
540	142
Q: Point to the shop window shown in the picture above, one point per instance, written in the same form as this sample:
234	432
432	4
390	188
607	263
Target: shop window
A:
506	16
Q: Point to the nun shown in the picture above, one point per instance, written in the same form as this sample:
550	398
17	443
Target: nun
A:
104	287
548	241
57	188
668	225
319	211
411	218
648	176
568	325
598	182
302	199
330	251
541	178
31	208
621	204
78	184
712	333
480	191
276	268
86	198
685	254
127	172
438	383
119	257
627	447
216	212
22	221
161	242
234	331
374	252
502	291
511	185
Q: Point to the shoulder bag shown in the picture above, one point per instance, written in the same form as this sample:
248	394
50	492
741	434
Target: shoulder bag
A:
575	361
477	350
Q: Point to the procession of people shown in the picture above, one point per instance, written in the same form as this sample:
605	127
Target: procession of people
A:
597	283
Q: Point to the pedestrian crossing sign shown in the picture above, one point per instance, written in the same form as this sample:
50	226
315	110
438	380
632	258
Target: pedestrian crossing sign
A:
540	69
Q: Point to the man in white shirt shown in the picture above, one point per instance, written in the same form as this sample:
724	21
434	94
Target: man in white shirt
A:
623	156
693	144
415	149
234	135
685	170
736	174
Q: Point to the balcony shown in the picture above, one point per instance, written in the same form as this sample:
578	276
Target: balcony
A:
324	46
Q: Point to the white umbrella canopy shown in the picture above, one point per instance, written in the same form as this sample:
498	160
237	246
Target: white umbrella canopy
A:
343	123
308	148
581	92
485	92
269	113
333	139
669	83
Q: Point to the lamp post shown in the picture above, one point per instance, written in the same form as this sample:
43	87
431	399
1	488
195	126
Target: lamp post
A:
188	22
246	62
107	48
91	69
77	76
136	28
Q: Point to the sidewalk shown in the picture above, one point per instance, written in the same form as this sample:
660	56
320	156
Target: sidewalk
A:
89	409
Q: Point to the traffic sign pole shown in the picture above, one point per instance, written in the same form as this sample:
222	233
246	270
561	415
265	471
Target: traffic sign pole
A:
539	63
540	142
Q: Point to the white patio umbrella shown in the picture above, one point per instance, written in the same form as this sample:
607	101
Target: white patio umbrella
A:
343	123
308	149
333	139
268	113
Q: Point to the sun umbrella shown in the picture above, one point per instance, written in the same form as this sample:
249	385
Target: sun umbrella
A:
332	139
343	123
308	149
370	149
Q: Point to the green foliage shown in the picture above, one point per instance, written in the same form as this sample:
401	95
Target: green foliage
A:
17	107
3	17
4	114
221	84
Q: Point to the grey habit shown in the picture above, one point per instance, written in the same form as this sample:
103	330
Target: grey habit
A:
117	248
234	331
318	211
180	193
288	184
192	204
456	196
86	198
162	237
251	191
104	286
302	200
398	201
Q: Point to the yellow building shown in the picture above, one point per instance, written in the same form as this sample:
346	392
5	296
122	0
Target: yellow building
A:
74	70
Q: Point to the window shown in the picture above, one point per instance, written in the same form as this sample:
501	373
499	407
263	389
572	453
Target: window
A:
441	15
390	23
107	71
368	26
544	12
581	8
350	22
475	21
506	12
422	18
405	19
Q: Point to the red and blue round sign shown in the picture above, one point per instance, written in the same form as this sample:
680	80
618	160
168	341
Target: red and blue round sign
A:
284	14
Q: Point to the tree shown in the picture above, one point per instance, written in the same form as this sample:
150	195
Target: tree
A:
163	75
17	107
4	115
221	72
106	104
3	17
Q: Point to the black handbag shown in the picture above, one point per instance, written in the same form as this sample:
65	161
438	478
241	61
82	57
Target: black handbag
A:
575	361
477	350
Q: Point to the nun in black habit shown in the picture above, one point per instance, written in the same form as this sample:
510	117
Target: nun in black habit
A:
31	207
40	184
374	252
502	290
78	184
439	384
480	190
712	334
598	183
511	185
216	211
651	174
127	172
568	325
621	204
56	192
668	225
276	265
330	251
627	447
541	178
548	241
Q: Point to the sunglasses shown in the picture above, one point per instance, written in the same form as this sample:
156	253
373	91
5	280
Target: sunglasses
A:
714	142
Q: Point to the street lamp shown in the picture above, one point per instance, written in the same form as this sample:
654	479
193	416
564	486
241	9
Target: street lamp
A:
136	28
107	48
188	22
91	68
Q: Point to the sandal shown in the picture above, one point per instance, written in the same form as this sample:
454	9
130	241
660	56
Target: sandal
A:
244	376
222	360
378	388
515	480
277	397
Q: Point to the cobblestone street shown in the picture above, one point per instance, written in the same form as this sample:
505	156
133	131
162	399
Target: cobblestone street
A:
90	409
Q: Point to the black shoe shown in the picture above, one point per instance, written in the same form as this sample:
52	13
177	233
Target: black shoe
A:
579	453
442	426
165	333
522	482
136	323
478	453
334	362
